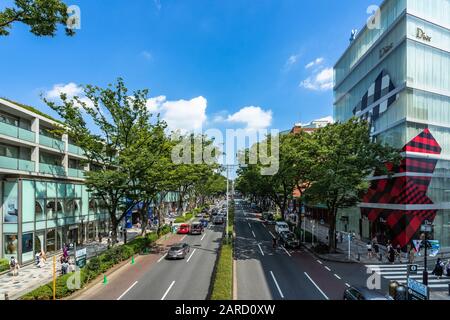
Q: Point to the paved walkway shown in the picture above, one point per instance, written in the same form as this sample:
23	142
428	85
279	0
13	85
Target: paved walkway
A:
30	276
358	248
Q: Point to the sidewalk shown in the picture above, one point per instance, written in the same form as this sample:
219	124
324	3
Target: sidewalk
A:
31	277
358	249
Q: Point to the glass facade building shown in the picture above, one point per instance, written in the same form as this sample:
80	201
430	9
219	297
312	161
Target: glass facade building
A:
44	202
397	77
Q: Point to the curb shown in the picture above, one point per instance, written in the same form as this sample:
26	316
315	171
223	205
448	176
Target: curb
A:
235	297
327	258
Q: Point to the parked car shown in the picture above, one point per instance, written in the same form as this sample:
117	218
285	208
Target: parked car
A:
361	293
183	229
288	239
196	228
178	251
281	227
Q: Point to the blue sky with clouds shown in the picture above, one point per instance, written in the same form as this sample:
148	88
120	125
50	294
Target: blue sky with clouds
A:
208	63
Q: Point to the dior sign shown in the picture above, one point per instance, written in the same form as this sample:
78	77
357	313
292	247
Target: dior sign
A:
420	34
386	49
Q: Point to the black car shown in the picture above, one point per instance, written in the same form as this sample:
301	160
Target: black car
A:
288	239
361	293
178	251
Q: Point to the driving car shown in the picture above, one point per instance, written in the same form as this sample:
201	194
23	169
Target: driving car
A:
288	239
196	228
218	220
178	251
361	293
183	229
281	227
204	222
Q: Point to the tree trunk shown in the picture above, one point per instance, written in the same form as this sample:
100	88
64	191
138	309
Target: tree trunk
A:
332	231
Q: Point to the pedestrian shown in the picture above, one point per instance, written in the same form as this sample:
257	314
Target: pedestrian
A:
447	268
398	252
391	254
65	251
14	266
99	237
438	268
341	237
376	248
64	267
369	250
411	255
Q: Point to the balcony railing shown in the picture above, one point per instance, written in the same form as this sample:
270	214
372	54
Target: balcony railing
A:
17	164
76	173
52	169
16	132
75	150
52	143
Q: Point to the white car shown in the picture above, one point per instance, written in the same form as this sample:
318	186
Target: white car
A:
281	227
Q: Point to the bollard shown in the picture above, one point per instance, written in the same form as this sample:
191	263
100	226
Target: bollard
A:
7	297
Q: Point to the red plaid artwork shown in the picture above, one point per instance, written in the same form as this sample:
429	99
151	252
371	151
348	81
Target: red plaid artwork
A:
405	190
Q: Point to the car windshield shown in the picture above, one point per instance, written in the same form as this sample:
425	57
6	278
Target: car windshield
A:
176	248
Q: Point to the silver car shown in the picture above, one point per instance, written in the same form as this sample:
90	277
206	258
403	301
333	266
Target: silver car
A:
178	251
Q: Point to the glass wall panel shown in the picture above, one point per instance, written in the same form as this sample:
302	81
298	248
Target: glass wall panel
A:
51	190
28	205
27	227
39	208
61	190
436	11
41	189
39	241
51	240
27	247
10	243
10	202
70	190
50	209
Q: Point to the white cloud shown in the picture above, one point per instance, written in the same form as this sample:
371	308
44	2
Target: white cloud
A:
316	62
321	81
253	117
183	115
70	89
291	61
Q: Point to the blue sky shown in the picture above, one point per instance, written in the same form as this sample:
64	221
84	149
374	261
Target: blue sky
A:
210	63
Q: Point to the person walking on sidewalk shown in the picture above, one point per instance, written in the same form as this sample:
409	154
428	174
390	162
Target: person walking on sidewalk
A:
14	266
391	253
438	268
398	253
447	268
375	246
369	250
411	254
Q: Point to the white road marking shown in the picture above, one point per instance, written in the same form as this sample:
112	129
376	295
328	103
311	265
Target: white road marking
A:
121	296
316	286
249	224
183	238
167	292
160	259
203	237
337	276
348	286
286	251
272	234
327	268
319	261
253	234
260	249
191	255
276	283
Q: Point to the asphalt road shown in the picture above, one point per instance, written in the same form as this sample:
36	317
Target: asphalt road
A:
276	274
155	278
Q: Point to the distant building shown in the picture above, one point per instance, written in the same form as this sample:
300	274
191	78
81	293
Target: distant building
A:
310	127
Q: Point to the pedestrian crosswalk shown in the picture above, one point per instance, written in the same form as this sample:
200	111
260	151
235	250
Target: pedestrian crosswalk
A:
398	272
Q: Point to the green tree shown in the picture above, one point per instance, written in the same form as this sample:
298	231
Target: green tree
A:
112	144
42	16
344	157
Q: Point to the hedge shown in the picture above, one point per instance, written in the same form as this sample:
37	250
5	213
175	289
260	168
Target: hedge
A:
223	281
4	265
187	217
95	267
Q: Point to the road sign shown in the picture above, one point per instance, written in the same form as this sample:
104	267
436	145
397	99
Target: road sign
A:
412	268
417	290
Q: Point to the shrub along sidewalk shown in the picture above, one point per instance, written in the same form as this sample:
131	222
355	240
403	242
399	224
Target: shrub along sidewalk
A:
223	281
95	267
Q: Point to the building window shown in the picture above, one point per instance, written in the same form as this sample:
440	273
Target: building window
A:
59	209
51	240
39	209
50	209
11	244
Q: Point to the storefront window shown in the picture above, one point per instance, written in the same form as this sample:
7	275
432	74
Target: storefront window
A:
59	209
27	247
10	245
50	209
93	207
39	241
77	206
51	240
10	205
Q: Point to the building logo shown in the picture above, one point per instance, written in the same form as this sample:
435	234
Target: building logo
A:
420	34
